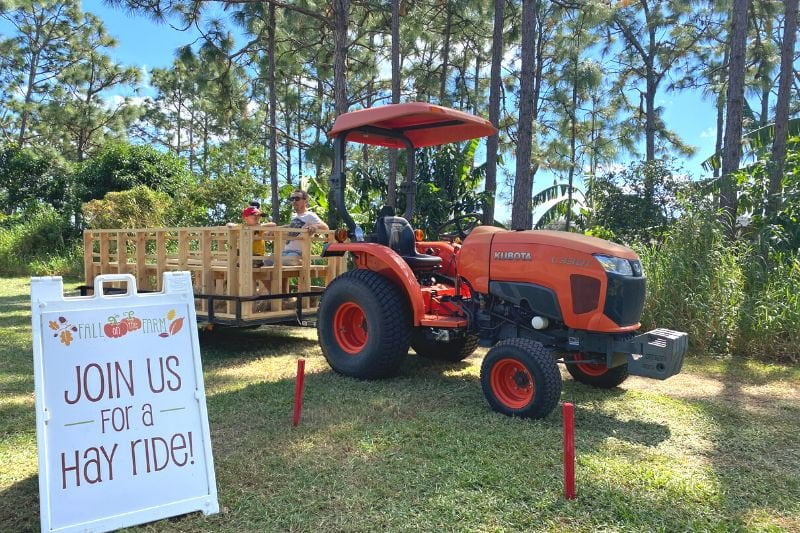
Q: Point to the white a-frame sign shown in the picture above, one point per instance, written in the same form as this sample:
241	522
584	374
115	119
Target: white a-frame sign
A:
121	420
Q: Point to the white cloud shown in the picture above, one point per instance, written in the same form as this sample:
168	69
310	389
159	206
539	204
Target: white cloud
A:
116	100
709	133
145	82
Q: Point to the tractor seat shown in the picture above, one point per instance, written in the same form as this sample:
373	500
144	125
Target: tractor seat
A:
396	233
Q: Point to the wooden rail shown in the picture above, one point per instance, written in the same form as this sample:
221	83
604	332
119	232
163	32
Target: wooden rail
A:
221	262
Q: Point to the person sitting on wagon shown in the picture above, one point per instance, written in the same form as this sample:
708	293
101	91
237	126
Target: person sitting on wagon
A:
303	218
252	217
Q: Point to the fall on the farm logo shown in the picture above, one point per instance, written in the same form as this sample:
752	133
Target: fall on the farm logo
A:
117	326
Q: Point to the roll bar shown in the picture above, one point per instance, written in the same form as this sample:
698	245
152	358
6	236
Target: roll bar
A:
338	178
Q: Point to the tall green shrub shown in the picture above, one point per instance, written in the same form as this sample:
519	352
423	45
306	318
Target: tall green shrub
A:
729	299
40	241
139	207
770	323
696	283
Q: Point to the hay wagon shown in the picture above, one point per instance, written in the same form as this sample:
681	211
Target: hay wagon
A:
231	286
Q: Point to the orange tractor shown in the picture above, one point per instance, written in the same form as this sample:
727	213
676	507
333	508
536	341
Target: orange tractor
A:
538	298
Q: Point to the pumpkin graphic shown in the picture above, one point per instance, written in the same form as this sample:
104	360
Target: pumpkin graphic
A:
131	321
115	329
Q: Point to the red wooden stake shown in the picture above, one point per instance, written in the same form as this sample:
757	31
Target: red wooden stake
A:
298	391
569	451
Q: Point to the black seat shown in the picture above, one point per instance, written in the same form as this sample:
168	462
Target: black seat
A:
396	233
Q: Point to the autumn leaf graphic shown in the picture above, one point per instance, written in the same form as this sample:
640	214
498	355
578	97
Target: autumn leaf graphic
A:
176	326
66	337
53	325
171	314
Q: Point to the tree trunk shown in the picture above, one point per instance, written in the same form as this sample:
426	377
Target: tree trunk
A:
341	18
521	208
205	143
191	140
275	201
299	140
445	53
391	193
650	118
318	126
477	87
572	138
720	129
179	127
735	103
341	15
782	108
288	145
495	82
25	113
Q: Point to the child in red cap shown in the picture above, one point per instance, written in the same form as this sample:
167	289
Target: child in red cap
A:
252	217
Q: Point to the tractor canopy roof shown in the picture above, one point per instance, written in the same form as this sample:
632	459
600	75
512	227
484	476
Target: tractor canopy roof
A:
420	123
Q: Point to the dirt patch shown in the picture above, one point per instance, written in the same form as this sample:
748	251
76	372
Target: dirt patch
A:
757	398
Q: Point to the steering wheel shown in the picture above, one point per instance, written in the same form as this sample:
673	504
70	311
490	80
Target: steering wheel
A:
459	226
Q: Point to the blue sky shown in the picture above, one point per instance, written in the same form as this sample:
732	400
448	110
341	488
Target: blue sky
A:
146	44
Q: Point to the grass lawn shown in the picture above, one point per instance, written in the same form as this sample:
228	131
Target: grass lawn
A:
715	448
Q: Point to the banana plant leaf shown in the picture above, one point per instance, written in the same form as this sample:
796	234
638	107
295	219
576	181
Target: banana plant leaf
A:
754	142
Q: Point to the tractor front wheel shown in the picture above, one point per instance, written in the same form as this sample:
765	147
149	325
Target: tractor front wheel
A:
450	351
595	374
363	325
520	377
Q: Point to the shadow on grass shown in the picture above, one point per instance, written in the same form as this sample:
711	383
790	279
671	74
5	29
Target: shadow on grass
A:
19	510
15	301
428	442
234	343
408	434
17	420
14	321
754	448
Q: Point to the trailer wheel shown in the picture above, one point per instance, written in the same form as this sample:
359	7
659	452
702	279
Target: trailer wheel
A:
450	351
594	374
363	325
520	377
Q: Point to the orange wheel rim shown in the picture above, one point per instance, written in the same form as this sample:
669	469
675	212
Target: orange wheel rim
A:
350	327
512	383
590	369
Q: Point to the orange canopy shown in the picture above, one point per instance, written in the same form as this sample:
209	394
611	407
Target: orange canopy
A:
422	124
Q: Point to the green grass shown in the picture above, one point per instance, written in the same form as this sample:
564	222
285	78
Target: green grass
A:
713	449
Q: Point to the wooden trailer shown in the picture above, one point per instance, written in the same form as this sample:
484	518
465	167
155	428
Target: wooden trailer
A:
231	287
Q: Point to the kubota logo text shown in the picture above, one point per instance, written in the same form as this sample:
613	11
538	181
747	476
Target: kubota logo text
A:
512	256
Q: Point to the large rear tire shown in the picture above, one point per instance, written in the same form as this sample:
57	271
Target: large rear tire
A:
450	351
363	325
520	377
594	374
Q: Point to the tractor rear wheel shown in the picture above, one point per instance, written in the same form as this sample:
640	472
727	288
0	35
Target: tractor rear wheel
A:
363	325
596	374
451	351
520	377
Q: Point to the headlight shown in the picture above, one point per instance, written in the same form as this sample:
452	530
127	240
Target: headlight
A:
617	265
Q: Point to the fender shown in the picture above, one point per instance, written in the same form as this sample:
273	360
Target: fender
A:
446	251
386	262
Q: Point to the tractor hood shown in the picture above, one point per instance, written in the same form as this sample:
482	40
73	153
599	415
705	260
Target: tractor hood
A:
563	240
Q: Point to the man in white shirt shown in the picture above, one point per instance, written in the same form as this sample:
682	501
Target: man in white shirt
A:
302	218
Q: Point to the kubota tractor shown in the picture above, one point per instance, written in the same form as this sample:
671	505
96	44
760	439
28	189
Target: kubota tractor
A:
538	298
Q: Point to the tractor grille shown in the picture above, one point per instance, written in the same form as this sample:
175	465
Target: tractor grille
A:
585	293
624	299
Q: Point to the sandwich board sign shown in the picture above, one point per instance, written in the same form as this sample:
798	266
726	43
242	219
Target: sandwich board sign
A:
121	421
